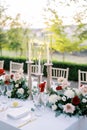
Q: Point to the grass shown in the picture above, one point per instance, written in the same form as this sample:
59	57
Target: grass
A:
79	59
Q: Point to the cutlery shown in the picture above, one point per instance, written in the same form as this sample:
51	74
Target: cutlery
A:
26	122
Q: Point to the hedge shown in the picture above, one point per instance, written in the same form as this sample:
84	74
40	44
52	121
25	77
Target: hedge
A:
73	68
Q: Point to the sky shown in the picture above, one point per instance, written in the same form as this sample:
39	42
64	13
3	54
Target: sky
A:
32	11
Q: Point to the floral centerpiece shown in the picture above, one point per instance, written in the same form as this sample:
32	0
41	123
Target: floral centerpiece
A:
68	100
18	84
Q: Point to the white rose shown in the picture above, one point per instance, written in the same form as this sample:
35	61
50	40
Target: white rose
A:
84	100
69	93
8	93
20	91
77	91
53	98
16	85
59	97
64	98
54	107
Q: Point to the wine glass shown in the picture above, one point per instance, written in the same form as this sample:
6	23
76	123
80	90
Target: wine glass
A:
2	90
37	104
9	90
9	87
45	97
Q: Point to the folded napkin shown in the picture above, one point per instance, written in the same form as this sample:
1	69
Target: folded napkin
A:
18	113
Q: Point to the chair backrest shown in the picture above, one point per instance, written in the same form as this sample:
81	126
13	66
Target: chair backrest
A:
60	72
82	77
1	64
15	66
35	69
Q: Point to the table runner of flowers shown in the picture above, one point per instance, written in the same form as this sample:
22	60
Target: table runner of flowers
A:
68	100
18	82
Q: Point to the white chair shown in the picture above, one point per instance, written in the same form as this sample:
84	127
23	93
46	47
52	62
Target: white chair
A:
35	72
60	72
82	77
35	69
15	66
1	64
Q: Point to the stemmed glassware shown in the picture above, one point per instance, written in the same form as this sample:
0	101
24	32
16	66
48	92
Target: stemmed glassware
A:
38	104
45	97
9	90
2	90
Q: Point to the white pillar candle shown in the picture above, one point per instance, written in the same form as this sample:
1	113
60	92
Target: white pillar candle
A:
29	51
48	58
39	64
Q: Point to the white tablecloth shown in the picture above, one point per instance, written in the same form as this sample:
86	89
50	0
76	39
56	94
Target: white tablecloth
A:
47	120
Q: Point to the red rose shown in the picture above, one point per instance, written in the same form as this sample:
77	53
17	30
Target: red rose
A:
42	86
59	88
2	72
76	100
81	85
12	76
7	82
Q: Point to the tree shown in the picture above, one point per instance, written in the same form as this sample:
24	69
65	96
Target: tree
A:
3	40
15	39
15	35
61	42
81	19
3	21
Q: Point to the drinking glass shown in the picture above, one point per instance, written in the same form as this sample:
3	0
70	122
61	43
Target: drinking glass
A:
9	87
37	104
45	97
9	90
2	90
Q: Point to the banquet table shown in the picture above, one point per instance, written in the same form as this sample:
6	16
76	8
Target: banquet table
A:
44	120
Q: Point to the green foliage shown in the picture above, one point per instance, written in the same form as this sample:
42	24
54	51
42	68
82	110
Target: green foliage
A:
61	42
15	38
73	68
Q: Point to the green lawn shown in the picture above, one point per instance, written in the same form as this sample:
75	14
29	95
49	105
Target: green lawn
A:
56	56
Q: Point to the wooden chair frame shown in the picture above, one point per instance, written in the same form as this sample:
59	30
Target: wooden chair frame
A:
82	77
15	66
1	64
60	72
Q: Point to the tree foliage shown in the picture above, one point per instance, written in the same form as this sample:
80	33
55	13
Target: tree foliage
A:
61	41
